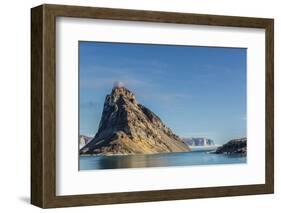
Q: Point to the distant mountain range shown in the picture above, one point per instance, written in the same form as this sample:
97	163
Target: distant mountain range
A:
127	127
200	141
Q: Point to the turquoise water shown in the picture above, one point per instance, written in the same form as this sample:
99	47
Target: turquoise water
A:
158	160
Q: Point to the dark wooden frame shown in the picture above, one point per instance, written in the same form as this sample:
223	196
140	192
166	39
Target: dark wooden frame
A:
43	105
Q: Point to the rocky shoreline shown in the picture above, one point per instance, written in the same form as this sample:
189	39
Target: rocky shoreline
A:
236	146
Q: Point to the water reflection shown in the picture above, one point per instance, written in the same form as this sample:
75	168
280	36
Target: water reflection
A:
157	160
137	161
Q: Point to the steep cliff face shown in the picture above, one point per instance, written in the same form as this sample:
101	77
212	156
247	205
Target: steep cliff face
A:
198	141
127	127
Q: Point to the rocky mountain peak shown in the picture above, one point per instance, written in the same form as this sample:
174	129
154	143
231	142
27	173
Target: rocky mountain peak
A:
127	127
121	92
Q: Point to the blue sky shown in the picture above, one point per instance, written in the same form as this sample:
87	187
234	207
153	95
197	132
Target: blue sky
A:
196	91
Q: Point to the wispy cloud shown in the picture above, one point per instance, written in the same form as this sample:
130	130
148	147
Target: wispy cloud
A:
103	82
153	64
172	97
124	66
90	105
102	76
198	134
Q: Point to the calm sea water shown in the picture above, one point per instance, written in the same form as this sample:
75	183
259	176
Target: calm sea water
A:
158	160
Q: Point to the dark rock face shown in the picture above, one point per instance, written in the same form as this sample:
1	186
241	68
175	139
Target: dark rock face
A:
236	146
198	141
127	127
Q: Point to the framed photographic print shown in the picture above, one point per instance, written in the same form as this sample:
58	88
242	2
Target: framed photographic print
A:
136	106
